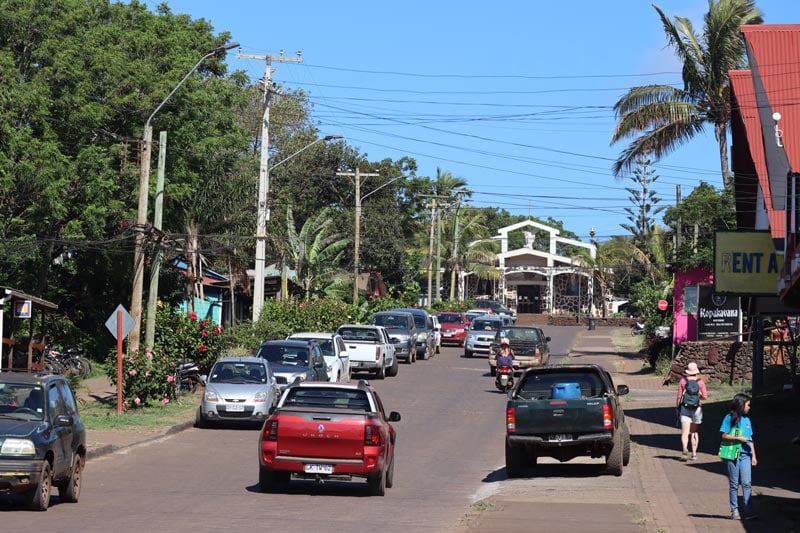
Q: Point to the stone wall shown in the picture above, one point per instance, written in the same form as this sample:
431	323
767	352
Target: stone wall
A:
572	320
725	361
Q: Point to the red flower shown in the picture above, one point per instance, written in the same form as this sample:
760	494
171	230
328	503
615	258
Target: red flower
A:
192	316
204	333
202	348
217	330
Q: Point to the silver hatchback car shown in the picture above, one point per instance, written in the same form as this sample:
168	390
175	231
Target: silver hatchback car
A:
238	389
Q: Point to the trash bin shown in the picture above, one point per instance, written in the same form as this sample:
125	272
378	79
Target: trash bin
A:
591	323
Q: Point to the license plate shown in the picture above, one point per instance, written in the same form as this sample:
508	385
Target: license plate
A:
234	408
559	437
448	333
318	469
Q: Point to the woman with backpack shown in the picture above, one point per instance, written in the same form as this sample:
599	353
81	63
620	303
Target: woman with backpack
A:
691	390
737	429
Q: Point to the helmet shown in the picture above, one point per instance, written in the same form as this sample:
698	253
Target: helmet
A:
504	342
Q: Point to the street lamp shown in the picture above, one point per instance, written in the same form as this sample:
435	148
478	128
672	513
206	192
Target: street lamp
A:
141	213
261	227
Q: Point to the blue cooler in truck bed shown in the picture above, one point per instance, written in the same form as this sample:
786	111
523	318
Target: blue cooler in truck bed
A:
566	391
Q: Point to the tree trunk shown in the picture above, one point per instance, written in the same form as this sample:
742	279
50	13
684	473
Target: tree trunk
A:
721	133
191	265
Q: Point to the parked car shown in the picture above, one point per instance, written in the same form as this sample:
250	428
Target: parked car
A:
292	360
454	327
481	334
401	327
328	430
497	308
425	337
370	349
42	439
437	332
472	314
238	389
333	350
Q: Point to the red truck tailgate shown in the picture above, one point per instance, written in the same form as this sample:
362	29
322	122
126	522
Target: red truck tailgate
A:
321	435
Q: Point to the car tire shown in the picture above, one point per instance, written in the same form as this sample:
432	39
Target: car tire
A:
626	445
377	484
614	457
394	368
467	353
69	490
381	373
199	420
39	497
514	460
269	480
390	473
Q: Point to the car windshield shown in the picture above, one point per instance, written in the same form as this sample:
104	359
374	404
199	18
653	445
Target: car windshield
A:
526	335
391	321
450	319
236	372
325	345
23	401
284	355
485	325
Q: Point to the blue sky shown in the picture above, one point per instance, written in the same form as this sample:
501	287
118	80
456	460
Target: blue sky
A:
515	97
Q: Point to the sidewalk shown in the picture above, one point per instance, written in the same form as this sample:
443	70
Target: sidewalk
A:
100	443
676	496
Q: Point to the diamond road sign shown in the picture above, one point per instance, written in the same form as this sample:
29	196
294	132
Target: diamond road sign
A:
127	322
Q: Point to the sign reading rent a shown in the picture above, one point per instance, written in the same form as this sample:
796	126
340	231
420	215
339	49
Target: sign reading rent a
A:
746	263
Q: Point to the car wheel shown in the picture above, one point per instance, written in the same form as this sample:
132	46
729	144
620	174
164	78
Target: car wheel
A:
414	357
514	460
199	420
39	497
377	484
69	490
381	373
390	473
614	457
626	445
467	353
394	368
271	480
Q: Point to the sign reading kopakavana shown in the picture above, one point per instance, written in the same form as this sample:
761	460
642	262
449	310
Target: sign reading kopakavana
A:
746	263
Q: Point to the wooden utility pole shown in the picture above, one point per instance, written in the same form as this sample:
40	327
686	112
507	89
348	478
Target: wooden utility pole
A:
263	182
357	225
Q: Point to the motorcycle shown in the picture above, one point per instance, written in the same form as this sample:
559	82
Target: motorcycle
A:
637	328
504	379
187	376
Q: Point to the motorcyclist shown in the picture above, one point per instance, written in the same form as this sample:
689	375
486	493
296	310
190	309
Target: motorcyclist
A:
505	355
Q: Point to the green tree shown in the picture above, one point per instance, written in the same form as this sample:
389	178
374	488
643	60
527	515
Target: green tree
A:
662	117
644	200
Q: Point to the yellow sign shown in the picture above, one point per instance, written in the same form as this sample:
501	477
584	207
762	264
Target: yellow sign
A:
746	263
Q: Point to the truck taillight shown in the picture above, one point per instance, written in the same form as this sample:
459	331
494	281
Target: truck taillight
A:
372	435
377	353
511	420
271	430
608	418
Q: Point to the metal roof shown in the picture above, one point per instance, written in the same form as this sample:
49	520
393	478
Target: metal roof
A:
19	295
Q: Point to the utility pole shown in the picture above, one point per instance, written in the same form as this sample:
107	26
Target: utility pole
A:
430	254
454	259
155	269
357	230
263	181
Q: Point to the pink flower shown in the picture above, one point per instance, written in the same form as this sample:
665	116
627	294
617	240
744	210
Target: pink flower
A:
204	333
132	372
170	379
192	316
217	330
149	356
137	401
147	374
165	401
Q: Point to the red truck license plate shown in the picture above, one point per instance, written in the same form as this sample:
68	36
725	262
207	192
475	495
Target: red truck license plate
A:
318	469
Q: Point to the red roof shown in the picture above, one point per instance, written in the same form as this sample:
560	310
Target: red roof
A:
776	50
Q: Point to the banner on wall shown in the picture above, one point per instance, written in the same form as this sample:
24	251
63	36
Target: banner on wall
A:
718	315
746	263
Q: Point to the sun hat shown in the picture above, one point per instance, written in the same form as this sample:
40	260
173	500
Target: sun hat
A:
691	369
504	342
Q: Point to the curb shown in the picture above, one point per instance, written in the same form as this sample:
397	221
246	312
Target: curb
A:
107	449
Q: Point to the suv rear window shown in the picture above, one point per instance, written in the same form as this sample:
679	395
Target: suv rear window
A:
324	398
391	321
540	386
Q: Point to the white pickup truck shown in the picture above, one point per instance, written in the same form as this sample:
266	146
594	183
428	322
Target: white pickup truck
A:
370	349
333	350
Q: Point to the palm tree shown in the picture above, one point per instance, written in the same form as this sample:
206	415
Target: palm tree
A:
315	251
662	117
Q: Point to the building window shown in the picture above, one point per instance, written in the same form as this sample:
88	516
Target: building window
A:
690	300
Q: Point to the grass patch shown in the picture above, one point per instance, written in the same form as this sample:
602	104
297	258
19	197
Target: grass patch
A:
624	342
98	416
483	505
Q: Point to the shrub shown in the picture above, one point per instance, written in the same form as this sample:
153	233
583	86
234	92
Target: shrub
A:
147	379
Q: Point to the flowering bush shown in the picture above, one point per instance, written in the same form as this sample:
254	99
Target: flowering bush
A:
148	378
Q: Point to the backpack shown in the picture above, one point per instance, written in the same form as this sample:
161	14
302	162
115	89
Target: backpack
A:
691	394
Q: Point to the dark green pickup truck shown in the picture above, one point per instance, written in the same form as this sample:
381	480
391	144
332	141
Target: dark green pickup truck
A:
566	412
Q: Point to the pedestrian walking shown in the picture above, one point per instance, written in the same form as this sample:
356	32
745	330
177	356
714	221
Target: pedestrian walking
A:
737	429
691	391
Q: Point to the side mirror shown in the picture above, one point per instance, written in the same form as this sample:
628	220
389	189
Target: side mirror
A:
63	421
394	416
319	364
547	339
203	378
622	390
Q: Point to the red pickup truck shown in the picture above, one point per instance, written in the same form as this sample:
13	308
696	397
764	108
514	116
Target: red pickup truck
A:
328	430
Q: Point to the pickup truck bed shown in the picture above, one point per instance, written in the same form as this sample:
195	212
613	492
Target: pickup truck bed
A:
565	412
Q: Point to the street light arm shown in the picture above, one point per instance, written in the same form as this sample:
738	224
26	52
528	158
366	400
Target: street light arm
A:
306	147
211	53
382	186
